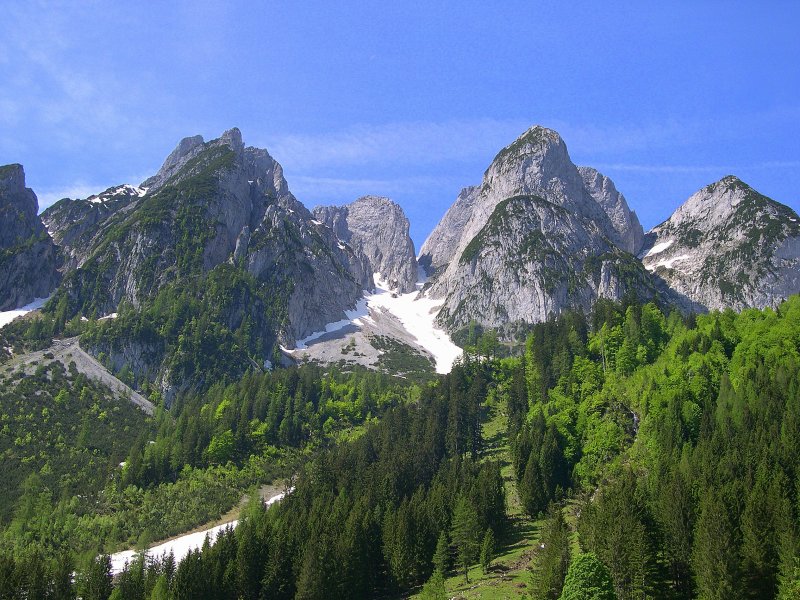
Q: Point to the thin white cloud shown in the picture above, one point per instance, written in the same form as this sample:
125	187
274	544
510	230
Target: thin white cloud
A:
417	142
639	168
333	189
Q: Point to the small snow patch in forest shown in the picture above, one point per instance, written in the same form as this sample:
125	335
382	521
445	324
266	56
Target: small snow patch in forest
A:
182	545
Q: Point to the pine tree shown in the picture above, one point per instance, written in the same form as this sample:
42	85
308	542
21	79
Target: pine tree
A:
551	562
435	588
465	532
96	582
713	561
441	558
487	550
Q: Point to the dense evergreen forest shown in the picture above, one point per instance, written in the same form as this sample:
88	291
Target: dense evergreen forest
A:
655	455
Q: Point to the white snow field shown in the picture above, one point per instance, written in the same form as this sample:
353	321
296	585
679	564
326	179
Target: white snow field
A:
416	314
9	315
180	546
658	248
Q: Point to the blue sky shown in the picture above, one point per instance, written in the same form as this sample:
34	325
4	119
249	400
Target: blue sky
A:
409	100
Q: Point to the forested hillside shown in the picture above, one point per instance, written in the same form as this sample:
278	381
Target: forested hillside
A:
649	455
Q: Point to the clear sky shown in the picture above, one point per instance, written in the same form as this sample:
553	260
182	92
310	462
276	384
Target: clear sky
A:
410	100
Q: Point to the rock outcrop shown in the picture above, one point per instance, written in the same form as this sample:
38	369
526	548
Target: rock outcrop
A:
623	219
437	250
28	258
728	246
210	203
377	228
532	240
76	224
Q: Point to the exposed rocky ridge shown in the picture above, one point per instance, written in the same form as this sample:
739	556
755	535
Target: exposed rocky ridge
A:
532	240
623	219
75	224
234	205
28	258
378	228
533	260
437	249
213	206
536	164
728	246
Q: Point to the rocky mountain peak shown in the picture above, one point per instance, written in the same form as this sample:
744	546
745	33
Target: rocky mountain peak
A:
537	164
18	207
233	139
623	219
28	258
377	228
12	178
728	246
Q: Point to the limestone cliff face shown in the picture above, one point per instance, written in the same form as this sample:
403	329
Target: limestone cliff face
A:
623	219
377	228
210	203
437	250
76	224
28	258
728	246
533	240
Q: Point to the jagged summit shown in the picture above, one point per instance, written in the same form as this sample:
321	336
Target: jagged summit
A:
623	219
28	259
728	246
535	238
378	228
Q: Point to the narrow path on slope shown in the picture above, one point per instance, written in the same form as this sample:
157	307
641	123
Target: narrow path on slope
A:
68	350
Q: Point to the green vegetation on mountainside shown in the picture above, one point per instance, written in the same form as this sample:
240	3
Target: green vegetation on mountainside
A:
636	455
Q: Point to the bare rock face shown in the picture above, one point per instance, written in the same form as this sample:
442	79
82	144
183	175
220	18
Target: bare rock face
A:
623	219
377	228
728	246
216	212
75	224
28	258
437	251
532	241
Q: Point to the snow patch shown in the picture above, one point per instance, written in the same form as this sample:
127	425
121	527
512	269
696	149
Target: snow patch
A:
7	316
668	263
111	316
658	248
360	311
415	312
182	545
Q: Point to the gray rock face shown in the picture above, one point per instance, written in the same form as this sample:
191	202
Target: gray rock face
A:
623	219
187	148
532	240
75	225
438	249
728	246
212	203
28	258
377	228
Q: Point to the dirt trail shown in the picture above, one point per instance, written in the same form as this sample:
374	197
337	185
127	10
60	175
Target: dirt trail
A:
68	350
